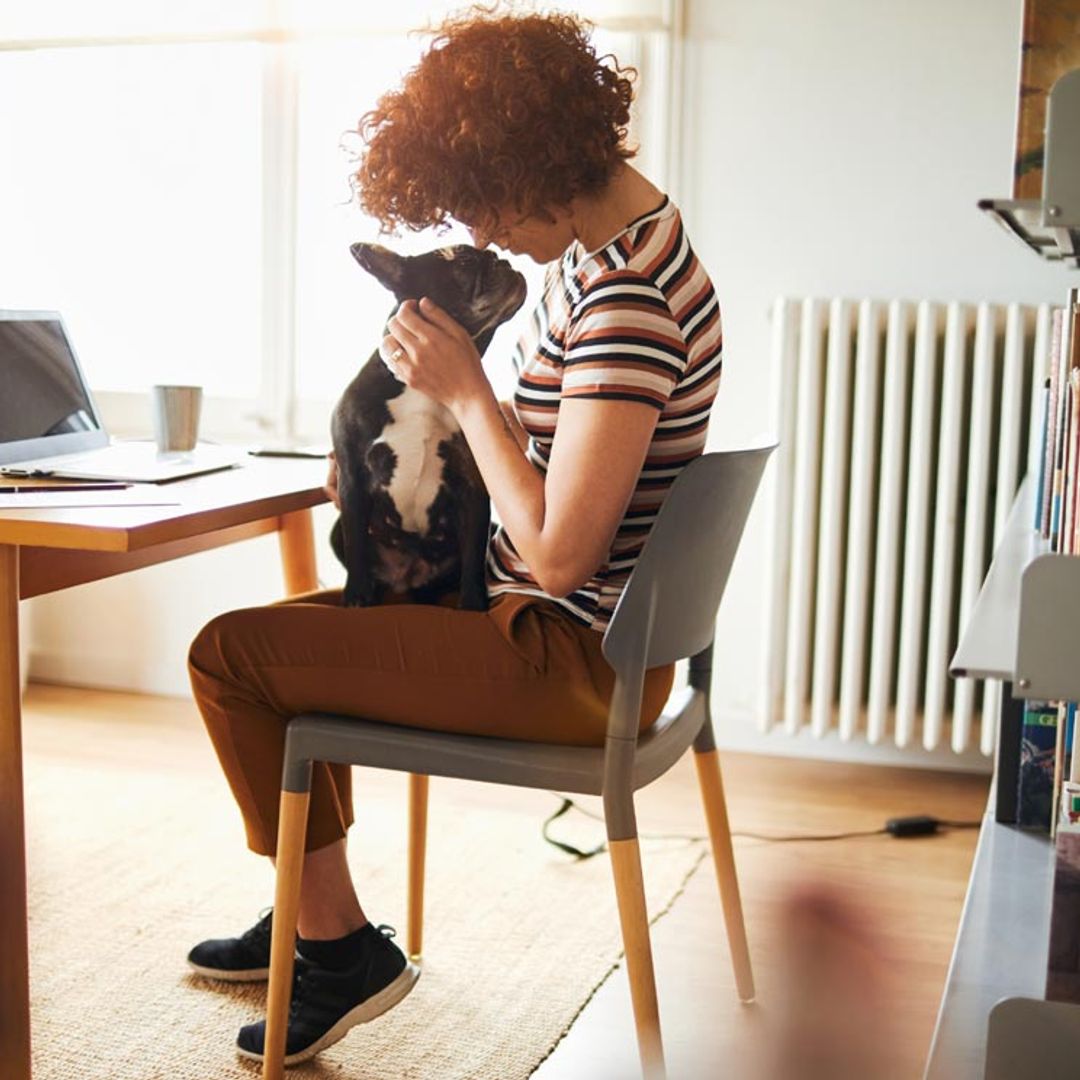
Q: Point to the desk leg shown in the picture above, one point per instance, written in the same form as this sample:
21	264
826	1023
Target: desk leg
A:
14	958
297	539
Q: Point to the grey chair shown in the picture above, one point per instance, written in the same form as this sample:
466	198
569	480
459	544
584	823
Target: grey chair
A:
666	612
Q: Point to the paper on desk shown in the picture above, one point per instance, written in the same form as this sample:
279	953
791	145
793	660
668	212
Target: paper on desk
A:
51	500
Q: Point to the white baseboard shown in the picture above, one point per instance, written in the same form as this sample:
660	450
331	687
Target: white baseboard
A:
739	732
111	673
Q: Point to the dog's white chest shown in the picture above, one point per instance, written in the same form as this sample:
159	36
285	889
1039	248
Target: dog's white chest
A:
417	427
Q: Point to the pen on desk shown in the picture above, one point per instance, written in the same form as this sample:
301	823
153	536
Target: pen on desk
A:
20	489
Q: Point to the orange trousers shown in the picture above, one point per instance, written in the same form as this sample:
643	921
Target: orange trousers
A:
524	669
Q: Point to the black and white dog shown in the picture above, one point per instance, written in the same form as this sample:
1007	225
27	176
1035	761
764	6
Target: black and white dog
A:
415	514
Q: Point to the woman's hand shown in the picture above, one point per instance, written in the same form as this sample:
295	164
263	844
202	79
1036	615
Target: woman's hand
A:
331	487
430	352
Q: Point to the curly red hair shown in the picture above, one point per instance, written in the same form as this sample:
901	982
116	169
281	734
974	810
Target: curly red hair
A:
502	110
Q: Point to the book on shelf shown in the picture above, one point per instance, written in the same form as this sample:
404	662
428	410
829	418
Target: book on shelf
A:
1067	544
1061	432
1010	729
1060	461
1067	750
1035	785
1043	414
1062	755
1059	465
1046	472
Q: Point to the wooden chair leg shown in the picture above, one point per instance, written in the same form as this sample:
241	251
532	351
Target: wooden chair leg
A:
418	802
630	891
712	794
292	828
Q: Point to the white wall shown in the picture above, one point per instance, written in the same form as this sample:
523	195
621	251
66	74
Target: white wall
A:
832	148
838	148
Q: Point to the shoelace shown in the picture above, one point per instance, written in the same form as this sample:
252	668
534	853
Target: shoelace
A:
261	929
309	973
294	1001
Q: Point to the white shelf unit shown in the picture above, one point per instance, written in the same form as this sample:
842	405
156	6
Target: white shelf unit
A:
994	1022
1001	946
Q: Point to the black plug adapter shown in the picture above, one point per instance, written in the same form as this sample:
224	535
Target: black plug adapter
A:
920	825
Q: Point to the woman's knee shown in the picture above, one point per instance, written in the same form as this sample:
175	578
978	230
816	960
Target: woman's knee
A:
208	653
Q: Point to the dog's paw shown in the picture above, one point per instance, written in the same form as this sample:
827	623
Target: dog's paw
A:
357	593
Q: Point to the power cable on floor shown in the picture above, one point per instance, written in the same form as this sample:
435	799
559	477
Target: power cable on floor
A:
905	827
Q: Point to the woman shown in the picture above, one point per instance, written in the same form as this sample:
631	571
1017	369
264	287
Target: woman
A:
512	126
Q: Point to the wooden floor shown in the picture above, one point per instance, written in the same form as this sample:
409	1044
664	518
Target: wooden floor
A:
850	938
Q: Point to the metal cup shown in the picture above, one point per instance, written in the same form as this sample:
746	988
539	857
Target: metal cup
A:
176	417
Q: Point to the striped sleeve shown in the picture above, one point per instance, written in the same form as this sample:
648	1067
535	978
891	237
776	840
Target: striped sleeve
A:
623	342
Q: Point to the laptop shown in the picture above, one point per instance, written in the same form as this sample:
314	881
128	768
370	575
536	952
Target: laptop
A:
50	425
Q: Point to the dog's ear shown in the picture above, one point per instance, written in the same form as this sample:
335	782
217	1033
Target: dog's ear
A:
383	264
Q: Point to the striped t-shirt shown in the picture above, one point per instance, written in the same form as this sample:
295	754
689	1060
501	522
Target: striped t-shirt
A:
637	320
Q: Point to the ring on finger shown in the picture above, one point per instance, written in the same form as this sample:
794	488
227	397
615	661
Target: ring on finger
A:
390	358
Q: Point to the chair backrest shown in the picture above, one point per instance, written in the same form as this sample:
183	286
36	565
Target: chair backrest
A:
670	602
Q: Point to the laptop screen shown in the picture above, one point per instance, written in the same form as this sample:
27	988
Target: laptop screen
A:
45	406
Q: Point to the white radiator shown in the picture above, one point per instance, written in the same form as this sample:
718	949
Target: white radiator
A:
905	429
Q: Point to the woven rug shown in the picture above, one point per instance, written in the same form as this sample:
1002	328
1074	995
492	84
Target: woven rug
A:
128	869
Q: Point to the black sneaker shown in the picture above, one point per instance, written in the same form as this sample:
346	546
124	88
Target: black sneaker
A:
326	1004
242	959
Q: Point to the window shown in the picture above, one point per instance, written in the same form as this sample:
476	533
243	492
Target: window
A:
130	200
177	185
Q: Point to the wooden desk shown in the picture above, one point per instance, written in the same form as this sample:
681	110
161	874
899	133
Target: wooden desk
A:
42	551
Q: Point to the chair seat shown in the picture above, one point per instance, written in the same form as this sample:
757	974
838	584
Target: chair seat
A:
346	739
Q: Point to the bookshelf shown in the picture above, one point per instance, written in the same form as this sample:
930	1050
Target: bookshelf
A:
1001	945
994	1021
